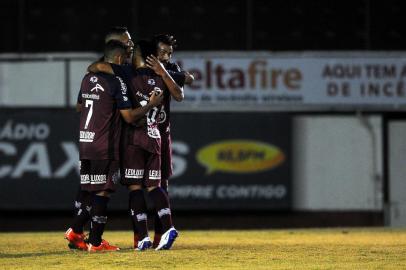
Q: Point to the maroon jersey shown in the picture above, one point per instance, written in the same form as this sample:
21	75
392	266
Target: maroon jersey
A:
143	84
102	96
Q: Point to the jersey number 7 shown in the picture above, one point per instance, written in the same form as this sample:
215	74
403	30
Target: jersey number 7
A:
89	103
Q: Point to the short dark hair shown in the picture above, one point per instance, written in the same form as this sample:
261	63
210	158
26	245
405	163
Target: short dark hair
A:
114	47
166	39
115	31
146	47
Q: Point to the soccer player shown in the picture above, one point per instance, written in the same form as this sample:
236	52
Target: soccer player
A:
83	199
121	34
164	45
104	103
144	153
142	162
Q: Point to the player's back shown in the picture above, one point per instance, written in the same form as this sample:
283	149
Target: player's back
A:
100	123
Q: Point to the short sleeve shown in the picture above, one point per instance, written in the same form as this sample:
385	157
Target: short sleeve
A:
174	67
120	94
178	77
123	71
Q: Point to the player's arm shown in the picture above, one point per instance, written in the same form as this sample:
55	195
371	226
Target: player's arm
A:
180	76
100	67
79	102
175	90
78	107
132	116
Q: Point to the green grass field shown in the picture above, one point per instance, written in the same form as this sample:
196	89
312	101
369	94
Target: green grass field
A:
259	249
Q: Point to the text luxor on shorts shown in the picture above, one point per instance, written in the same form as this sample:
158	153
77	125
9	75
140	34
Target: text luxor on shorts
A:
99	175
140	167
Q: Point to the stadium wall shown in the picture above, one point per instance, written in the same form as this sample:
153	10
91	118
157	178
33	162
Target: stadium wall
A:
337	153
332	162
397	171
337	162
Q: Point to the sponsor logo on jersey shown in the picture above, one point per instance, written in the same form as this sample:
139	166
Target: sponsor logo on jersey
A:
161	116
240	156
86	136
153	132
122	85
96	88
90	96
93	79
155	174
141	95
151	82
133	173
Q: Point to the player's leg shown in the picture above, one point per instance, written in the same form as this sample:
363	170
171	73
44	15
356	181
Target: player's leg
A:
166	172
126	151
103	177
158	229
133	224
161	201
75	234
138	209
134	163
98	217
83	205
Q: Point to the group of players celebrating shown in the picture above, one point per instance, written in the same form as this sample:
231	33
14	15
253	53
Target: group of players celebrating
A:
124	104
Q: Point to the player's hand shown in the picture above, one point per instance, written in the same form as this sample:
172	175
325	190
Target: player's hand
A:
189	78
156	98
154	64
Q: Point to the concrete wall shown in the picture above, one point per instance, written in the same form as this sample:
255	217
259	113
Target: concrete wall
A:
337	163
42	80
397	173
32	84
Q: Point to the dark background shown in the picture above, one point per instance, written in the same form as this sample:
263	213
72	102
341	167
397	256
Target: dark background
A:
41	26
36	188
277	25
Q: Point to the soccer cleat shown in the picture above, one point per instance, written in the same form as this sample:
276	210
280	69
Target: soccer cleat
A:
167	239
72	246
104	246
144	244
157	239
76	240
